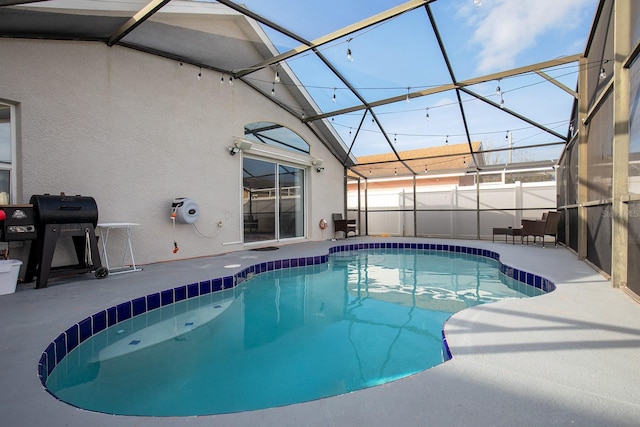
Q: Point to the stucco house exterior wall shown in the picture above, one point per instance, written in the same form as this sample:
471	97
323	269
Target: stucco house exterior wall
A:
135	131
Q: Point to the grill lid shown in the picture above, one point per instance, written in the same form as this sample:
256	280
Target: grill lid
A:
63	209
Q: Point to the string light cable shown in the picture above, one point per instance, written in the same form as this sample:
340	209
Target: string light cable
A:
424	87
397	88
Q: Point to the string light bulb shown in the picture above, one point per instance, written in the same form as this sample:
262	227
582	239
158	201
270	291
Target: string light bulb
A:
230	80
334	96
477	3
501	101
498	89
222	79
603	72
273	89
408	99
349	55
276	77
200	73
446	141
427	115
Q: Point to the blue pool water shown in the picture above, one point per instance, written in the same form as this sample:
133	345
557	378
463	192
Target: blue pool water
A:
285	336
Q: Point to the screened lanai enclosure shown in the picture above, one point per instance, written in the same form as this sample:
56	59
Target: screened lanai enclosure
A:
450	117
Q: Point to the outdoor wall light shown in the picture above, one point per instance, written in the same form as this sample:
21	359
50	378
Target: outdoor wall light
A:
239	145
317	163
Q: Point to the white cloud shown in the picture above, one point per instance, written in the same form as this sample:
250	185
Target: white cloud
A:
506	28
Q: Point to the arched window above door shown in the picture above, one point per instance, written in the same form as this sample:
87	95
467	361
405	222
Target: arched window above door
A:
276	136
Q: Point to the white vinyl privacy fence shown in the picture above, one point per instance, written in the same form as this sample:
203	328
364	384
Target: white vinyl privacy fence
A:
453	211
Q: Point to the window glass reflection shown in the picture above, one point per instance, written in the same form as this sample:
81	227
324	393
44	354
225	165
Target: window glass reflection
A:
275	135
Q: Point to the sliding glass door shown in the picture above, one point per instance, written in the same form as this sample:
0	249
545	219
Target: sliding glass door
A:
273	200
291	206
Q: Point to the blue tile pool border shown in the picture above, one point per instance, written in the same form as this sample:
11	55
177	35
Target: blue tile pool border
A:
68	340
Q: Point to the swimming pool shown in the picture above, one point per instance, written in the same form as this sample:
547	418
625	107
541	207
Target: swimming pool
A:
378	306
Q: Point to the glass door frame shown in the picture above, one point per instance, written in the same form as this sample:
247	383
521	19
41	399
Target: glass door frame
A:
277	163
11	166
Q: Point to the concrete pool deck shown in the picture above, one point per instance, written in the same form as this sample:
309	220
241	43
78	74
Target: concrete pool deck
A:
570	357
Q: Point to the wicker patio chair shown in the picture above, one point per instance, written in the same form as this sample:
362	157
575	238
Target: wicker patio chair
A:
548	226
345	225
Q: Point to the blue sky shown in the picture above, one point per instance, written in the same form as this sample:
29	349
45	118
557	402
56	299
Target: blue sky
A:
401	55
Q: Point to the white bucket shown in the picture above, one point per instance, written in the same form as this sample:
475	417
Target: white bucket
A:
9	271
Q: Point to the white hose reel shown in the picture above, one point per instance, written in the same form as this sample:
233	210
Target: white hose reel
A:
183	211
186	210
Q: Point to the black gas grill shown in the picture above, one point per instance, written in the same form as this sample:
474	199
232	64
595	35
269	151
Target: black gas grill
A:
60	216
